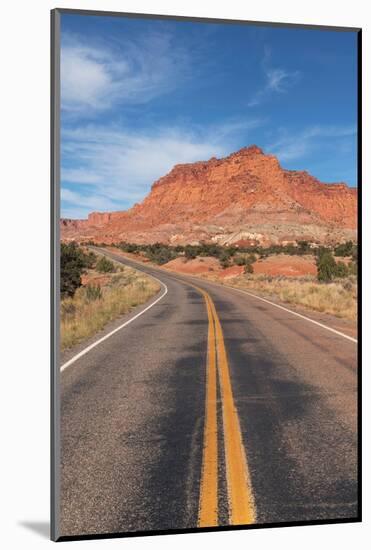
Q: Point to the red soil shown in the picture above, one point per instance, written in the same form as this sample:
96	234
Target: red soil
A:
289	266
230	272
94	280
196	266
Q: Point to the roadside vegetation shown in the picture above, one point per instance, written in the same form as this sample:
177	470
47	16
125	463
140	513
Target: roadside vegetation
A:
160	253
328	267
332	290
339	297
73	261
94	291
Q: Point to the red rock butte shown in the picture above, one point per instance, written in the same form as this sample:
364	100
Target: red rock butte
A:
244	198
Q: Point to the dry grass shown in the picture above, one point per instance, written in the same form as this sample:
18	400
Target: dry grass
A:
86	314
338	298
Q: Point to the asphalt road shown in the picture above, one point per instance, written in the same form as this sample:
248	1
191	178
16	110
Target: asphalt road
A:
210	408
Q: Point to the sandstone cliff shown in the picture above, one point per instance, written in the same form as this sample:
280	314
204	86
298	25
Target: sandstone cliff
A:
245	197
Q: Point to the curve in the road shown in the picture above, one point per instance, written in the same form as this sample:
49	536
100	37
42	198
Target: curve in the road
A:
97	342
184	276
240	497
294	398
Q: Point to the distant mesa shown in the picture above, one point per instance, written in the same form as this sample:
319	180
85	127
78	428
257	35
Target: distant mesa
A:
244	197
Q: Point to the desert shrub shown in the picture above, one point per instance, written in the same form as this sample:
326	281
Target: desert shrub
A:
73	262
214	250
353	268
251	258
341	270
90	259
303	247
160	253
249	268
321	250
104	265
274	249
344	249
290	249
326	267
225	260
239	260
93	292
190	253
129	247
246	261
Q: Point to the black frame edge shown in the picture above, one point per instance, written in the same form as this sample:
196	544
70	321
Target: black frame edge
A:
54	274
359	276
228	528
199	19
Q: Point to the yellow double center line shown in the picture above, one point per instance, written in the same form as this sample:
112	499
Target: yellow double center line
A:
240	497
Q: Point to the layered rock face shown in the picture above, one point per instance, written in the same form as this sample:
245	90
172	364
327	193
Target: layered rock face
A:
244	198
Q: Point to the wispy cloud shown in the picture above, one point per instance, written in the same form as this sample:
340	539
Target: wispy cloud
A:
295	145
112	168
277	80
96	77
91	202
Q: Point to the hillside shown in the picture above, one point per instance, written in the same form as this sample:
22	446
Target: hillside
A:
245	198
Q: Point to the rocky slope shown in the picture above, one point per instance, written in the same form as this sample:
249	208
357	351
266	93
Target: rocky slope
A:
244	198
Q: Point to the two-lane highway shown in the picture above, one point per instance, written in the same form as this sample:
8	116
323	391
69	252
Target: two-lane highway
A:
210	408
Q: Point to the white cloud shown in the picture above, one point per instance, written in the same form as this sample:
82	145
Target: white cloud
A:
79	175
111	168
92	202
85	77
277	80
291	145
96	77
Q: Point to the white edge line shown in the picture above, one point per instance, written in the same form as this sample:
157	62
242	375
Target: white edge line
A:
267	301
295	313
86	350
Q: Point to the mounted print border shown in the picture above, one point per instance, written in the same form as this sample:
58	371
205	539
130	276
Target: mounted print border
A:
219	408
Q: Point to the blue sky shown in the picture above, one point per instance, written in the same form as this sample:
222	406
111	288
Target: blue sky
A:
139	96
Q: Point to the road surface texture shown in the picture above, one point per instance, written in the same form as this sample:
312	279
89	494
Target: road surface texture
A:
210	408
